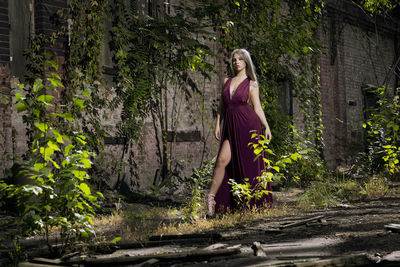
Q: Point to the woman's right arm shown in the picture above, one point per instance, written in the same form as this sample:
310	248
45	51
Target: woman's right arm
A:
220	112
217	128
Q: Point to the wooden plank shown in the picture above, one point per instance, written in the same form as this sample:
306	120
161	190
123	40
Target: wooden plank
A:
149	244
394	227
298	223
345	261
199	254
258	250
185	236
47	261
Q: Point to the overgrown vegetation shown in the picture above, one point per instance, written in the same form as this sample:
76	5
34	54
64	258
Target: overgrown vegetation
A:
155	57
383	134
57	194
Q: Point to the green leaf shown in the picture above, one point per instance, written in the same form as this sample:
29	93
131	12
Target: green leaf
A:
86	163
85	188
237	3
67	116
294	156
115	240
39	166
47	152
79	103
55	75
52	63
42	126
38	85
55	82
21	107
58	136
276	168
45	98
258	150
46	172
86	93
68	149
53	146
19	97
81	175
36	112
81	141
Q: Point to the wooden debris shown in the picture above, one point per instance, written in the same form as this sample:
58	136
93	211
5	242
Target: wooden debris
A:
199	254
70	255
349	260
258	250
301	222
273	231
47	261
215	246
149	244
394	227
31	264
150	262
214	236
392	258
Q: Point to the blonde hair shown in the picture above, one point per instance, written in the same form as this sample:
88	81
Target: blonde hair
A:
250	69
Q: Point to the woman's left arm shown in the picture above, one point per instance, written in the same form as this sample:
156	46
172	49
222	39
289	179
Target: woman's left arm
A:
255	99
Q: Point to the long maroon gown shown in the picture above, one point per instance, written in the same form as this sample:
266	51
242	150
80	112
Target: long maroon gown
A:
240	120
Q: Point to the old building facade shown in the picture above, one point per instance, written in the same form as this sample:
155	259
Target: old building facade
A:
359	53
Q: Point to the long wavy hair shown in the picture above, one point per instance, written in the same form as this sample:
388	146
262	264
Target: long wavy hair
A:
250	69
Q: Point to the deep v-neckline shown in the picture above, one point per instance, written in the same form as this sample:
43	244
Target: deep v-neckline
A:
237	87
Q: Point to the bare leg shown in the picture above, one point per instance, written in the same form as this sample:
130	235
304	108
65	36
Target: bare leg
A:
223	160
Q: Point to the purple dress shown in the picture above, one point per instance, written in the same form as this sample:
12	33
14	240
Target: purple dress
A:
239	119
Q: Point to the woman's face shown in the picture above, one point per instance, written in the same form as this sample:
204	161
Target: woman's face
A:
238	63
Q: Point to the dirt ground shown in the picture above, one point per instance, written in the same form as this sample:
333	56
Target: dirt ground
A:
353	234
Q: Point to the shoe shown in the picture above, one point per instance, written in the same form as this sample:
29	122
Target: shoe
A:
210	204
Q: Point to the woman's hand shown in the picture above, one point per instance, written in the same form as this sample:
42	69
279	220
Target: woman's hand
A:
267	133
217	132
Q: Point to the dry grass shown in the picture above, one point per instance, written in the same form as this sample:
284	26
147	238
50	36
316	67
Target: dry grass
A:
374	188
133	223
138	226
224	221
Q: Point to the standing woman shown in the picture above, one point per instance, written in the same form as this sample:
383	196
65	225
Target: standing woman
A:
236	158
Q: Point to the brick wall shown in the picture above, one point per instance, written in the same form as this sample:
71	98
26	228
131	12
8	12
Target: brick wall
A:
4	32
349	62
333	93
5	98
355	55
6	147
47	21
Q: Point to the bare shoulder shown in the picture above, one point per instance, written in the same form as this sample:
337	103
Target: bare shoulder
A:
253	84
225	80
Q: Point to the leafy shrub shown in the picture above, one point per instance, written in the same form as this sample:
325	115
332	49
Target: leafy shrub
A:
275	166
59	197
200	182
382	134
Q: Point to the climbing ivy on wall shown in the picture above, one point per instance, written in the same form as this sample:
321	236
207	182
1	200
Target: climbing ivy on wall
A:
86	21
153	55
81	26
281	38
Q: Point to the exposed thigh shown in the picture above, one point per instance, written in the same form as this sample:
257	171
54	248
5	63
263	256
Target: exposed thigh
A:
225	153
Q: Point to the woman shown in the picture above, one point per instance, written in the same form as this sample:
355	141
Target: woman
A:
235	158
